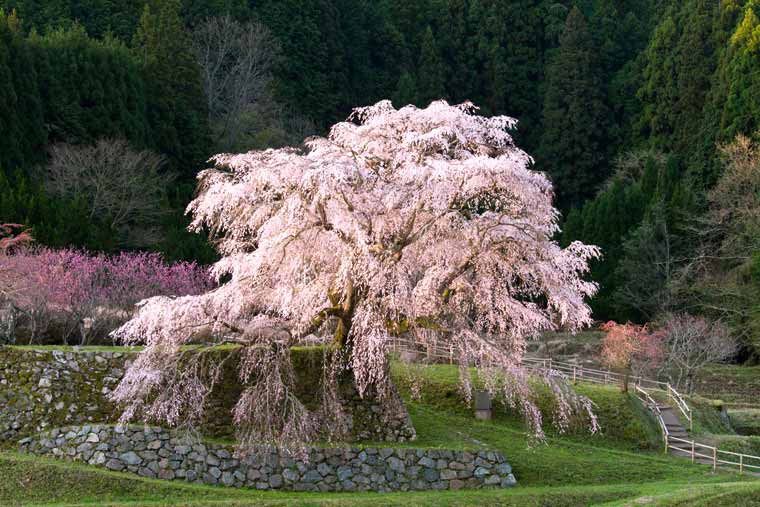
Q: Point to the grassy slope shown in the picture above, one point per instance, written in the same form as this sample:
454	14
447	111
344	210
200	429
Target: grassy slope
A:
746	421
34	481
733	384
574	469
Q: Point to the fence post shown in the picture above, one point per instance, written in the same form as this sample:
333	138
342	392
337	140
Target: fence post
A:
692	451
741	463
715	458
573	373
550	364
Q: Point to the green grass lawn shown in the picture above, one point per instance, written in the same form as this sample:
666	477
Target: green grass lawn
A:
618	467
30	481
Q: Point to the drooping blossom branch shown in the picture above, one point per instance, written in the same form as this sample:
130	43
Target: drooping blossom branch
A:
424	225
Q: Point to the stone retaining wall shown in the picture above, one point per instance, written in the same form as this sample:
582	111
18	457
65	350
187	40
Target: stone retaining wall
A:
41	389
155	452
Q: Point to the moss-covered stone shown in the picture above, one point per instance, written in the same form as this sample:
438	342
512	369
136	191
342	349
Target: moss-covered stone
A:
159	453
48	388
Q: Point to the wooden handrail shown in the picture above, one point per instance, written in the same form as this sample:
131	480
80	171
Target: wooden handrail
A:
682	406
581	373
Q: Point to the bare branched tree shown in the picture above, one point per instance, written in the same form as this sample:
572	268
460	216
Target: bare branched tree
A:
236	60
121	185
630	166
690	343
722	276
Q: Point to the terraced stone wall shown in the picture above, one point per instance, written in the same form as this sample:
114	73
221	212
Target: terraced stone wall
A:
155	452
42	389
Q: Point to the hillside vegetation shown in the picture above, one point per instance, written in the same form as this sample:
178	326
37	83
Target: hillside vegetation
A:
630	106
619	465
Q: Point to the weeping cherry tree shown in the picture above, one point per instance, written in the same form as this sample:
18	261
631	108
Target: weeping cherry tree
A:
423	227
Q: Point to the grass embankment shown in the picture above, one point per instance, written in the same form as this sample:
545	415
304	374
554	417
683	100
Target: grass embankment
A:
614	468
735	385
31	481
745	421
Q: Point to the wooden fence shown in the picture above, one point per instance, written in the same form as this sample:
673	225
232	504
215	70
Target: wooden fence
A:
688	448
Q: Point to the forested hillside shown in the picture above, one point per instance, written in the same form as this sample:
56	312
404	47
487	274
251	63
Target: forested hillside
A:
633	107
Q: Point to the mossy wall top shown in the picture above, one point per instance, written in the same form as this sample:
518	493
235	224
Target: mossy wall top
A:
42	389
50	388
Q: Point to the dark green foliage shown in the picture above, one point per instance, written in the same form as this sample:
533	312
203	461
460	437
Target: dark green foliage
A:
732	106
22	132
627	219
574	146
178	243
99	17
54	223
508	48
310	78
680	64
90	88
431	71
406	90
176	106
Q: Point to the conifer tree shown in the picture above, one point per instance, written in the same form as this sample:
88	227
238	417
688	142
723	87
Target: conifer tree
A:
455	29
510	46
574	143
431	72
741	78
10	153
681	60
406	90
311	77
174	92
90	88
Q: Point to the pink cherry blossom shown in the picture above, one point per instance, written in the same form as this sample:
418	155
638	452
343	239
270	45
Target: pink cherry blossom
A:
410	227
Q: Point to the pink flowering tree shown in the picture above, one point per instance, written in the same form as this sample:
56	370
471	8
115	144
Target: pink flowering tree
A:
13	237
419	227
629	348
62	296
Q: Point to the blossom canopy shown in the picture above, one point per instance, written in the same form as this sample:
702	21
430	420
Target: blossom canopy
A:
402	228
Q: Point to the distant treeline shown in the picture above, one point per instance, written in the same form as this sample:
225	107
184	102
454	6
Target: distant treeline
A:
623	102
